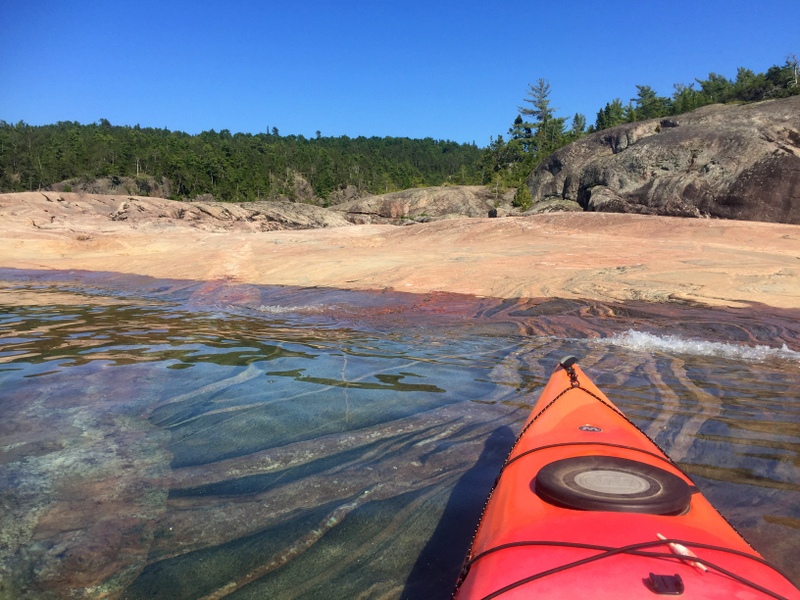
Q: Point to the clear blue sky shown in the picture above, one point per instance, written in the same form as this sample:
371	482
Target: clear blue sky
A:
446	69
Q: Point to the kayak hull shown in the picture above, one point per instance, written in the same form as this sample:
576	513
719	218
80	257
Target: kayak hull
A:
579	508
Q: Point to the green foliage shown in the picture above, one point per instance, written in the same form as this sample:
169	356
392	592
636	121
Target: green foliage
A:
686	98
537	132
578	126
716	88
523	198
520	130
143	187
538	96
546	130
612	114
649	105
241	167
507	164
231	166
777	82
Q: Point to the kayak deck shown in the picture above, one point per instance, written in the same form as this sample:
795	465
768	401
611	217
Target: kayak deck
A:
587	504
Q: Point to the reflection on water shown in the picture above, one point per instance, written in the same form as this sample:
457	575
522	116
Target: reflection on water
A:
177	440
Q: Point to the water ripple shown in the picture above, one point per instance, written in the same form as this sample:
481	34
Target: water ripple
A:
158	441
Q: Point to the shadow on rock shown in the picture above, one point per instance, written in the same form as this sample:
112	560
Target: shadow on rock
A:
437	567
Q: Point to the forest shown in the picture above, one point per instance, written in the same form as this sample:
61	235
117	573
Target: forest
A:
264	166
231	167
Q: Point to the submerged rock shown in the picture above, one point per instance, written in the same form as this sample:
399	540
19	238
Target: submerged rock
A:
80	491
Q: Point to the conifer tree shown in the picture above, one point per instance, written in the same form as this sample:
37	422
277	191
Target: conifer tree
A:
542	125
613	113
578	126
650	105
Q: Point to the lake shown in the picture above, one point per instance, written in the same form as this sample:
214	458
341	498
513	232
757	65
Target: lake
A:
180	439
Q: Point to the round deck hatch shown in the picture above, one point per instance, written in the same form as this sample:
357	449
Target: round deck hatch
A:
608	483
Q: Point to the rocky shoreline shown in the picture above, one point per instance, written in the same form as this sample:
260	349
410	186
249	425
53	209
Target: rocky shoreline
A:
601	256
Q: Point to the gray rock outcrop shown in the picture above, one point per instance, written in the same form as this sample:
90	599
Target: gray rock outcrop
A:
423	204
724	161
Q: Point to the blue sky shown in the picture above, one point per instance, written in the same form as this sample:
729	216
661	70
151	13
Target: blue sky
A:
435	68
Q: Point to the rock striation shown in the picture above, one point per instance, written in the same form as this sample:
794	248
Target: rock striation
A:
723	161
54	210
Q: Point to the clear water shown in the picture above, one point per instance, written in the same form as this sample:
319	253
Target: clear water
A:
179	440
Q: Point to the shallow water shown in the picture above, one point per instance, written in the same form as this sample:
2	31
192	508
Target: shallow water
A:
164	439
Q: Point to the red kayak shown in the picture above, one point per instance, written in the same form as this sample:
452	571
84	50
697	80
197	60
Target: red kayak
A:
587	506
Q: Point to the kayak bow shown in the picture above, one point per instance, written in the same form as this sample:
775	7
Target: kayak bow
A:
587	505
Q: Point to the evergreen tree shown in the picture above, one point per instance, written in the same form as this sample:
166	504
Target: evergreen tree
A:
612	114
518	130
716	88
507	164
538	96
650	105
523	198
554	136
629	113
685	98
235	167
749	87
578	126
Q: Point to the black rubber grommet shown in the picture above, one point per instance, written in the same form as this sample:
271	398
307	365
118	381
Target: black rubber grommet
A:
568	361
608	483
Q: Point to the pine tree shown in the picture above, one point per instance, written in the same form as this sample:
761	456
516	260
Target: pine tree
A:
650	105
686	98
613	113
578	126
716	88
519	131
541	113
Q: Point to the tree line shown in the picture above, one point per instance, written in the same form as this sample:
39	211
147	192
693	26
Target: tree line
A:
244	167
537	132
231	167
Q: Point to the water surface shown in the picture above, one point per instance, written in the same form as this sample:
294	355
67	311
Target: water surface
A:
163	439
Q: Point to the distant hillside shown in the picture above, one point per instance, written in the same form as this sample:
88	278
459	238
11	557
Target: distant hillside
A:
104	158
